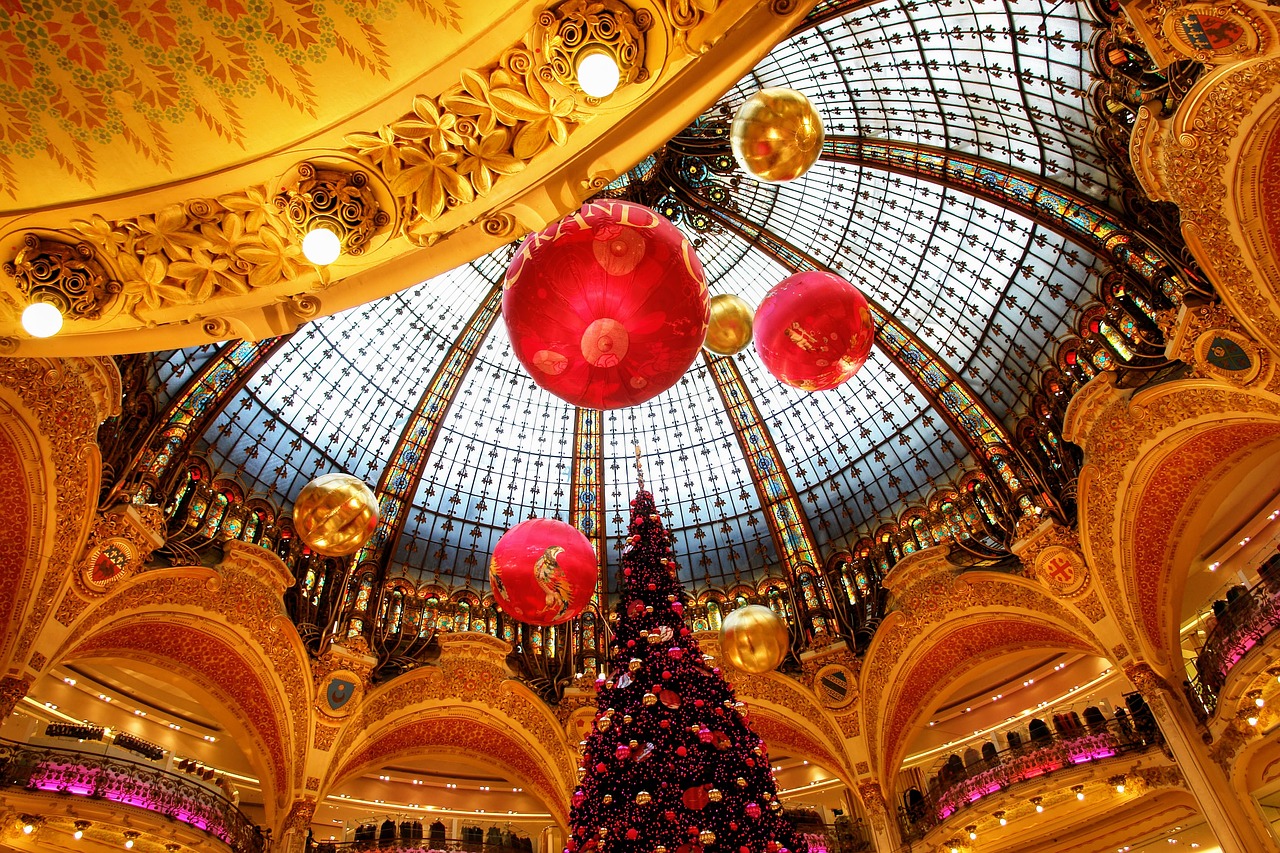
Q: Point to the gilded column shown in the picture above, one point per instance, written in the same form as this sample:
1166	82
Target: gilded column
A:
1237	824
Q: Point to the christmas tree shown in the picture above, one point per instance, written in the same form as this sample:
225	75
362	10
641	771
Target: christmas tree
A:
670	765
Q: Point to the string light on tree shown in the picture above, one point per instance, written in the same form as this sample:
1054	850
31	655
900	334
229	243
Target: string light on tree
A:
671	765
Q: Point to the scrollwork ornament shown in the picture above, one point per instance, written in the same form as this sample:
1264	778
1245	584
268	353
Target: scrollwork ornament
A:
68	275
500	224
341	200
572	29
304	306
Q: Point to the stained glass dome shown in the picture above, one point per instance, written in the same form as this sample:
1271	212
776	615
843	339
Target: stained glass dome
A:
975	283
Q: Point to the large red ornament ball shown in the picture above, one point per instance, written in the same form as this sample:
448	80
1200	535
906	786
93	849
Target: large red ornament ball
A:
543	572
813	331
607	307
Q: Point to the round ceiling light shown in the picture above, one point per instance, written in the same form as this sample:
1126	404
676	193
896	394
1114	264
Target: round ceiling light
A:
41	319
321	246
598	74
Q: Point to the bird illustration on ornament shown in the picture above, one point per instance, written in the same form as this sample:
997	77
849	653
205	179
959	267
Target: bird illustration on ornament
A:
553	580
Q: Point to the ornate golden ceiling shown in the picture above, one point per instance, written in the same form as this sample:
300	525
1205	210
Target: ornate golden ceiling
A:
112	98
150	148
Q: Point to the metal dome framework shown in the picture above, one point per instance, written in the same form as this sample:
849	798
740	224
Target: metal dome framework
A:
961	189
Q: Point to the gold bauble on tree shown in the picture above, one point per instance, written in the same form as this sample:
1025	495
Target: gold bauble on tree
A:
776	135
335	514
729	330
754	639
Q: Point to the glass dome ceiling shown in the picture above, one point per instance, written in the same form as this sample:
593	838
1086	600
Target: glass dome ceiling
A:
987	289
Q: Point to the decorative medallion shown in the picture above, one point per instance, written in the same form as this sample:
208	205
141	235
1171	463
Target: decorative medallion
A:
1227	355
339	692
1062	569
1211	33
343	199
70	275
571	30
835	685
107	563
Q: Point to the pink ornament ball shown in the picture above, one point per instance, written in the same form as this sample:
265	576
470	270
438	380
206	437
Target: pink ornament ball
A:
813	331
543	572
607	307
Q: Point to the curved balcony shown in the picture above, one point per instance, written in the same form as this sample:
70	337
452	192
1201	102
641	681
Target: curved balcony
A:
1246	621
72	772
960	788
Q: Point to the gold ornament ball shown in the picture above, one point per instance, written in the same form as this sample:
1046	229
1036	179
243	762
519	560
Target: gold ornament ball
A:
608	798
754	639
643	798
776	135
742	783
335	514
715	795
729	330
707	837
650	699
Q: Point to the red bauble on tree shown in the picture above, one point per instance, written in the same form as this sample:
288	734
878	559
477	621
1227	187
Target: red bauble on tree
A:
671	764
813	331
607	307
543	572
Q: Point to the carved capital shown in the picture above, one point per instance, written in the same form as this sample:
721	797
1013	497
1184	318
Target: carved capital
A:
67	274
257	562
1150	684
1227	745
11	692
872	798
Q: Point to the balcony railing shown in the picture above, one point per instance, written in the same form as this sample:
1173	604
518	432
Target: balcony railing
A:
1244	623
84	774
1020	764
400	844
847	836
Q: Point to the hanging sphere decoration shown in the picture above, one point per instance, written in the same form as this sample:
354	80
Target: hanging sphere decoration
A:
813	331
543	572
729	330
335	514
607	307
754	639
776	135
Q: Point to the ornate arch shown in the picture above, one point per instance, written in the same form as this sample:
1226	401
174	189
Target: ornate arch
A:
1211	159
50	410
218	661
946	623
466	705
232	637
1151	460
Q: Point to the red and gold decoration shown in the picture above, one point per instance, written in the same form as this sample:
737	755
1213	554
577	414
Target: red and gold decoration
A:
813	331
684	773
335	514
543	571
754	639
776	135
607	307
729	330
